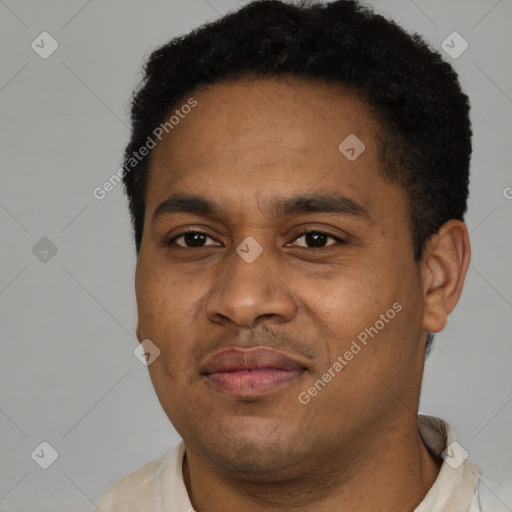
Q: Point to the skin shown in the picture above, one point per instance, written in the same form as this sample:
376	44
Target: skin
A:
356	443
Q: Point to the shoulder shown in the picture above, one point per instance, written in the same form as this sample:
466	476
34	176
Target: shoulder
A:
137	490
486	499
133	489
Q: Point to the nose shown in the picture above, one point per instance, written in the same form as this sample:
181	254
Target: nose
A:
244	293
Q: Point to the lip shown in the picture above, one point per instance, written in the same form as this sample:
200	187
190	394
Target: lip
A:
250	372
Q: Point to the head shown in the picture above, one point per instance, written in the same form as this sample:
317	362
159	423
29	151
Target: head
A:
292	119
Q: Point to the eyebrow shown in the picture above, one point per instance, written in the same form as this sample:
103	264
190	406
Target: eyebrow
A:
331	203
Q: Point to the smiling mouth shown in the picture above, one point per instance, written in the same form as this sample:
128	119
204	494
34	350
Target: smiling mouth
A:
251	372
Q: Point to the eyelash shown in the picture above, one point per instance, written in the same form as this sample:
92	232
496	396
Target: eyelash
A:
300	235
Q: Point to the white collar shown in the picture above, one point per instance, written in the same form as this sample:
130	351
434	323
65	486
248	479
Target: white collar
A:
159	486
457	480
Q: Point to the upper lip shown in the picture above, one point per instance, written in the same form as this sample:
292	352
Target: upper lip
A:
238	359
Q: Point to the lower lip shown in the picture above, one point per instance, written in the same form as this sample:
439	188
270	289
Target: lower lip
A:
252	383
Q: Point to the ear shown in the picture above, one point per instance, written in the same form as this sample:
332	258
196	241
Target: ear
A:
444	266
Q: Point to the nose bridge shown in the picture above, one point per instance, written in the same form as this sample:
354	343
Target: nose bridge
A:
248	287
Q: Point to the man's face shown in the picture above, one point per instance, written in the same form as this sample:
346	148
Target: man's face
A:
247	146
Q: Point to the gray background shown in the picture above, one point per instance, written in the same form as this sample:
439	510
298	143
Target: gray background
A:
67	372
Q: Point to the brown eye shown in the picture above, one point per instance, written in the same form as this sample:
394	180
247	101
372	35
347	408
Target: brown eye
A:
190	239
316	239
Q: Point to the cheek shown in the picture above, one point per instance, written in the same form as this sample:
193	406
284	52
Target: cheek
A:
352	295
373	301
166	306
160	293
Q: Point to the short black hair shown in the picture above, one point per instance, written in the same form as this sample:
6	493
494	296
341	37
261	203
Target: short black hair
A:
414	96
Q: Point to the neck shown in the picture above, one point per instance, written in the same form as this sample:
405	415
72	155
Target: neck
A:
394	472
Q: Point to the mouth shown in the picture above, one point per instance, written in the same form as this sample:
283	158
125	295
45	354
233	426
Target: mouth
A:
251	372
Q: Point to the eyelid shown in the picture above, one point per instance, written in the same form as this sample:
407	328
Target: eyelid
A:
322	231
169	241
300	234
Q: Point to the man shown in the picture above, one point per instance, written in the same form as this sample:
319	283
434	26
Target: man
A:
297	178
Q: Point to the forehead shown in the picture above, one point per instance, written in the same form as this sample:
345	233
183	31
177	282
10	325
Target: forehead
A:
287	113
268	136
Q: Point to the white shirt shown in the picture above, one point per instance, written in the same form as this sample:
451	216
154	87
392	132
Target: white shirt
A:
159	487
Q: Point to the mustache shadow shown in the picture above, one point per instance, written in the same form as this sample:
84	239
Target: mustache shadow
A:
261	336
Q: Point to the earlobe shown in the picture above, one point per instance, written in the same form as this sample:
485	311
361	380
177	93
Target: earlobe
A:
444	268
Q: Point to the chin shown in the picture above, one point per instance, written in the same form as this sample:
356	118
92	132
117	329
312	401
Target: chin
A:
254	454
250	463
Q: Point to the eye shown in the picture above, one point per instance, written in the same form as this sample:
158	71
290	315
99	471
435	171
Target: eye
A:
191	239
316	239
313	239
